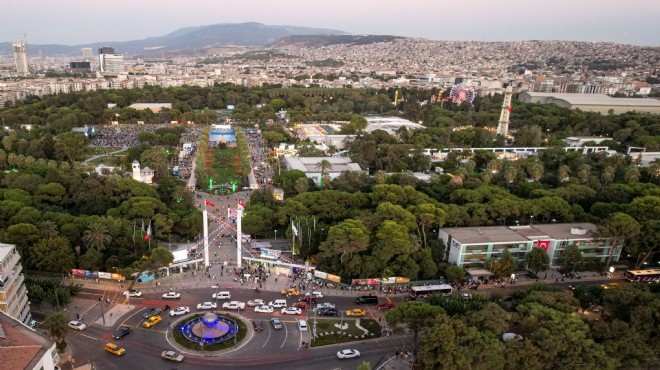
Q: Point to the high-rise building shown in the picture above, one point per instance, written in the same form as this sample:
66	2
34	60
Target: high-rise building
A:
106	50
87	52
20	57
13	294
111	63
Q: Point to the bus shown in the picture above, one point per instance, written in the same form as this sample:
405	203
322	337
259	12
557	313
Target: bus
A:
643	276
424	291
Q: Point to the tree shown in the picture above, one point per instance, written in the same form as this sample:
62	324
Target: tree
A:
97	236
57	328
160	257
364	365
571	256
491	317
53	255
347	237
156	158
618	227
450	344
71	146
324	166
302	185
537	259
416	316
455	274
92	260
505	265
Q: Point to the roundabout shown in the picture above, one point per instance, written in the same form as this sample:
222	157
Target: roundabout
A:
209	332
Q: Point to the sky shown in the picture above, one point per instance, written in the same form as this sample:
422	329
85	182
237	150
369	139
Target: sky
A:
73	22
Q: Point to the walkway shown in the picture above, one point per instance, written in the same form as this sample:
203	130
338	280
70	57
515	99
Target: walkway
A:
103	155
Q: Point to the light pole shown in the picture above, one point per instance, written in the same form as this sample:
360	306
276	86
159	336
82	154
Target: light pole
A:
275	234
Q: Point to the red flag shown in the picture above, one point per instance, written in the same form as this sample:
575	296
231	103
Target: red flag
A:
509	108
240	203
544	244
148	234
210	204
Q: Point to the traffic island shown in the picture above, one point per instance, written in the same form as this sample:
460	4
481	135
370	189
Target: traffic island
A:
335	331
209	332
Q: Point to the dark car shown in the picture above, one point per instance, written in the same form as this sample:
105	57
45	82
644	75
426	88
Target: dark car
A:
258	325
309	300
386	306
151	312
327	312
121	332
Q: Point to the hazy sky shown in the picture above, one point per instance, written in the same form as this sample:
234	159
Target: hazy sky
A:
81	21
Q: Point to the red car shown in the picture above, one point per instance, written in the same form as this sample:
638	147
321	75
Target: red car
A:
301	305
308	300
386	306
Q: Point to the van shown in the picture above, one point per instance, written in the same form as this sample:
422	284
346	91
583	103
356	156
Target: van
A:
367	299
278	303
302	325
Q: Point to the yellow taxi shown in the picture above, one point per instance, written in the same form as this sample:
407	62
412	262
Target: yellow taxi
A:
153	320
610	286
290	292
114	349
356	312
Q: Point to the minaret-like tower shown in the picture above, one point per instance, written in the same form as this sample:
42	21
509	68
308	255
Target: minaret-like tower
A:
503	124
136	171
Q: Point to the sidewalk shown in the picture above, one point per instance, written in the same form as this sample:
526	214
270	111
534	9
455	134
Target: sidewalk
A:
114	314
396	363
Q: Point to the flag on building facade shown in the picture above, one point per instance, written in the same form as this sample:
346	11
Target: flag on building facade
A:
544	244
148	234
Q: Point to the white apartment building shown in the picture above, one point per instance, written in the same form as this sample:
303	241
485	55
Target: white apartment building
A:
111	63
13	294
21	58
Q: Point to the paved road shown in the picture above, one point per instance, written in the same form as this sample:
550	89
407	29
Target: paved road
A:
280	349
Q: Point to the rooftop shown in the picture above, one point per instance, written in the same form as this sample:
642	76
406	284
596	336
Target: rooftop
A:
309	164
4	250
597	99
521	234
20	346
390	124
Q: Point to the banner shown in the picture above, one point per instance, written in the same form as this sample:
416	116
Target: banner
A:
104	275
269	254
375	281
146	276
334	278
282	271
320	274
90	274
118	277
76	272
402	280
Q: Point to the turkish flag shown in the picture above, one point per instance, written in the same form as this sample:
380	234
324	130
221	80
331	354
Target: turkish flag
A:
210	204
509	108
544	244
240	203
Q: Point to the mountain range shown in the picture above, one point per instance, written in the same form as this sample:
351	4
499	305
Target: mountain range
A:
188	39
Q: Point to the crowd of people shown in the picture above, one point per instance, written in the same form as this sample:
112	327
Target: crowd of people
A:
120	136
259	162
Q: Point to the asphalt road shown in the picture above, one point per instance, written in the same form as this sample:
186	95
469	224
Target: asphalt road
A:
279	349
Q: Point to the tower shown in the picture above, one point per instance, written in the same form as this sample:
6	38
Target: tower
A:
136	171
503	124
20	57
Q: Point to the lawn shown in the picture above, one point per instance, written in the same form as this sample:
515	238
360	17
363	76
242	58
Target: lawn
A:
328	332
223	164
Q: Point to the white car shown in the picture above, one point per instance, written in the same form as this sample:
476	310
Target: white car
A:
132	293
207	306
77	325
221	295
264	309
325	305
171	295
291	311
348	353
179	311
256	302
233	305
278	303
315	294
171	356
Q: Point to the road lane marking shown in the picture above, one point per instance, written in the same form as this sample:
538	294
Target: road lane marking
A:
267	338
87	336
286	335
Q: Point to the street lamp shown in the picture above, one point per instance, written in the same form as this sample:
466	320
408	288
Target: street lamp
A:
275	234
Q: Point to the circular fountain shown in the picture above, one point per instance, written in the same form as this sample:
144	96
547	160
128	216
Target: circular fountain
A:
209	328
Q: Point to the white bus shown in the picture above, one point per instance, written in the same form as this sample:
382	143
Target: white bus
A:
424	291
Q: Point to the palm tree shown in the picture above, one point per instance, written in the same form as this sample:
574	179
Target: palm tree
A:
47	229
332	150
57	327
632	175
156	159
535	171
583	172
302	185
510	173
607	176
97	236
563	173
324	165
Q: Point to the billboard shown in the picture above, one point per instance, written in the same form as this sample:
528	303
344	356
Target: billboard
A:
269	254
282	271
375	281
334	278
104	275
118	277
320	274
76	272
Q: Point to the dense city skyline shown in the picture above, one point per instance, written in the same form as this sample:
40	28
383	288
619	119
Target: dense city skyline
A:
71	22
